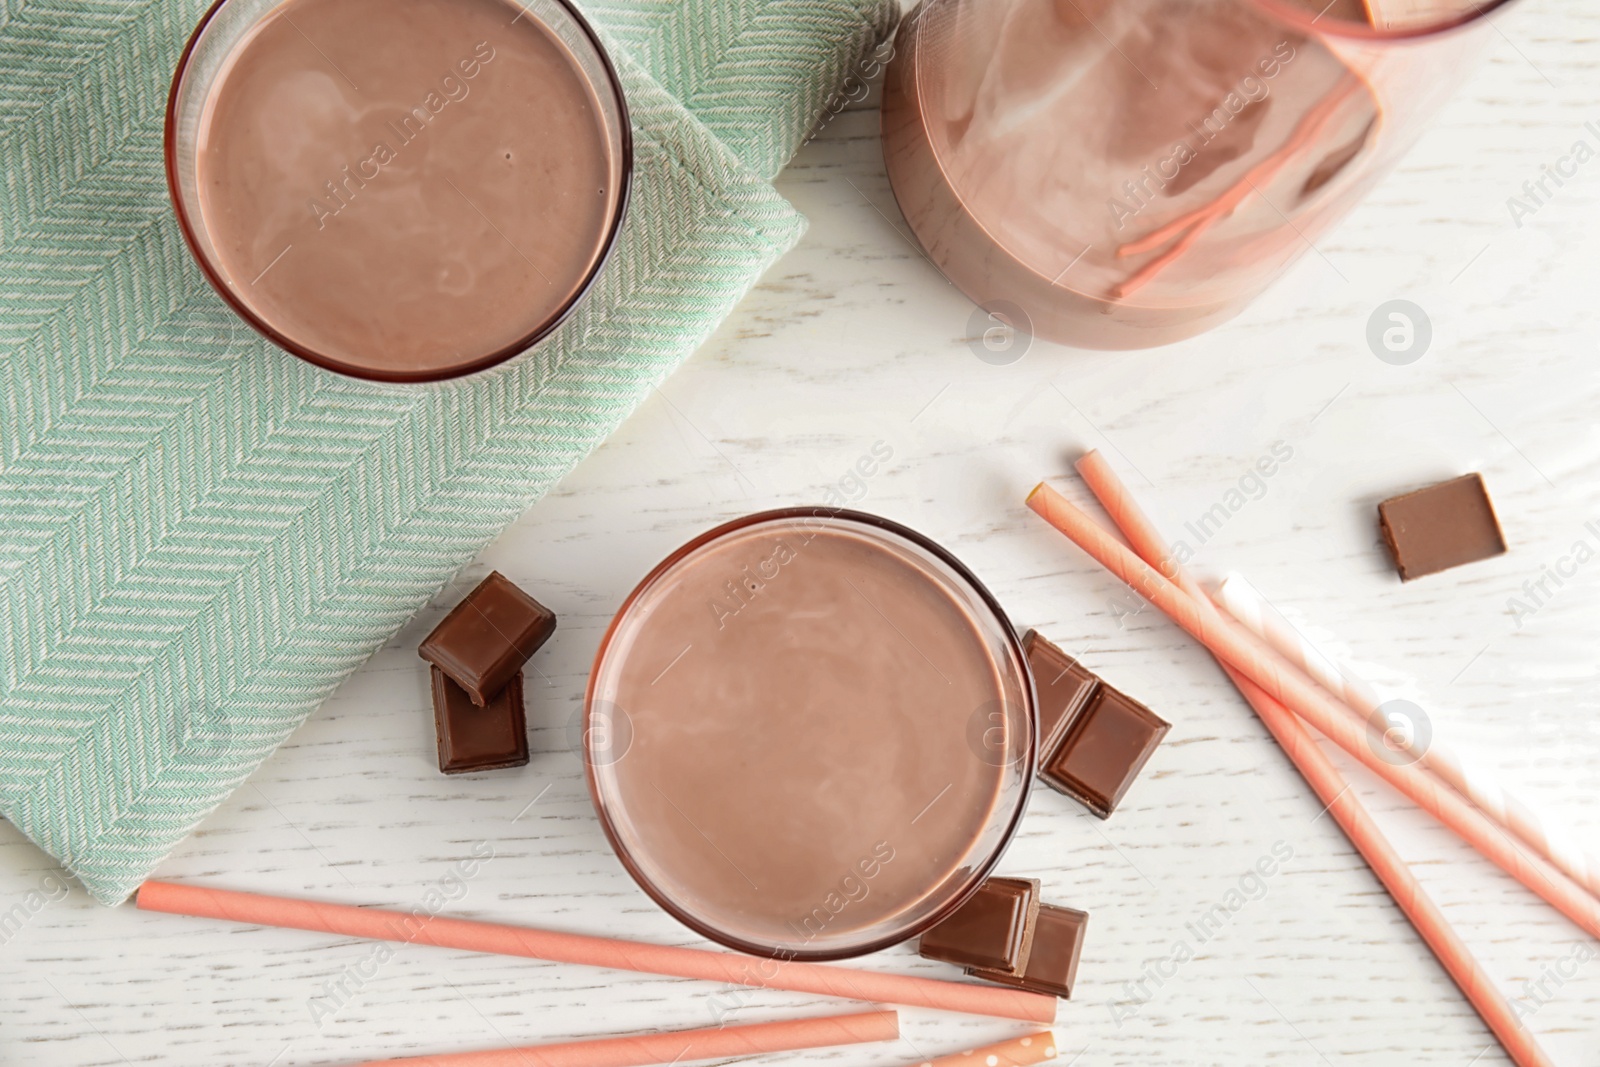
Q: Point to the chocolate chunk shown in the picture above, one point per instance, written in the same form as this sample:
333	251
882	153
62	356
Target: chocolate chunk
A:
1440	527
479	739
488	637
992	930
1105	748
1093	739
1052	966
1063	685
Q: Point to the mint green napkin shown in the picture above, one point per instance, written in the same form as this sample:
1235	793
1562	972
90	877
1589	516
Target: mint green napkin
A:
201	536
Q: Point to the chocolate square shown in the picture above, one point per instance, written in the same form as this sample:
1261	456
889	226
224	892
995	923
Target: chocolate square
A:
488	637
993	929
479	739
1063	686
1052	966
1440	527
1105	748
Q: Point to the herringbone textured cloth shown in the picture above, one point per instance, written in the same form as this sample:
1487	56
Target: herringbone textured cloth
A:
200	536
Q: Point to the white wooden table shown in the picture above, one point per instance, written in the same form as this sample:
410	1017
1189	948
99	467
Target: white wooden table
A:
855	339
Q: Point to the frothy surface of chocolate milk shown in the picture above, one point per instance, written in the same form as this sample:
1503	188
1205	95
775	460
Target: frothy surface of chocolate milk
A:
801	763
405	185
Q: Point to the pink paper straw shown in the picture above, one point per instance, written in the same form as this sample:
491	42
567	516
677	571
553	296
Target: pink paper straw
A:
681	1046
1233	644
442	932
1447	946
1325	780
1260	618
1194	224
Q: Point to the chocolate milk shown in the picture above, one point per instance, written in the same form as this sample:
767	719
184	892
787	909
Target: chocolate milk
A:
801	757
1123	172
405	186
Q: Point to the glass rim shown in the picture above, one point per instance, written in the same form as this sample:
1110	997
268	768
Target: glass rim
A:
980	871
493	359
1313	25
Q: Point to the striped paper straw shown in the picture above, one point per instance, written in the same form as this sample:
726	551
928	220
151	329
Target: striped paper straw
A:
1251	609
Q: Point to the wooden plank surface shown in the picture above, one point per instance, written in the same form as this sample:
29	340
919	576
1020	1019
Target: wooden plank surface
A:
852	340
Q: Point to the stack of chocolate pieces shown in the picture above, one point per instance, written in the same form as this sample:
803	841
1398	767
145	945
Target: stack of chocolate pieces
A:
477	654
1005	935
1093	739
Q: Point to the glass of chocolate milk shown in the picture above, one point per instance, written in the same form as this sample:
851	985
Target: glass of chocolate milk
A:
810	734
1128	173
398	190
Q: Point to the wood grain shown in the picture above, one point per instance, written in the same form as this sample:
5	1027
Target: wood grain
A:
854	339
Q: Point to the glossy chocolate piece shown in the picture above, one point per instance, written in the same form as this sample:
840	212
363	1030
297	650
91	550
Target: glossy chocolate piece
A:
1440	527
1105	747
1052	966
1063	686
479	739
992	930
488	637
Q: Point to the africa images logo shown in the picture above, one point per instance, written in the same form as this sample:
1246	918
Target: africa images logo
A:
453	88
